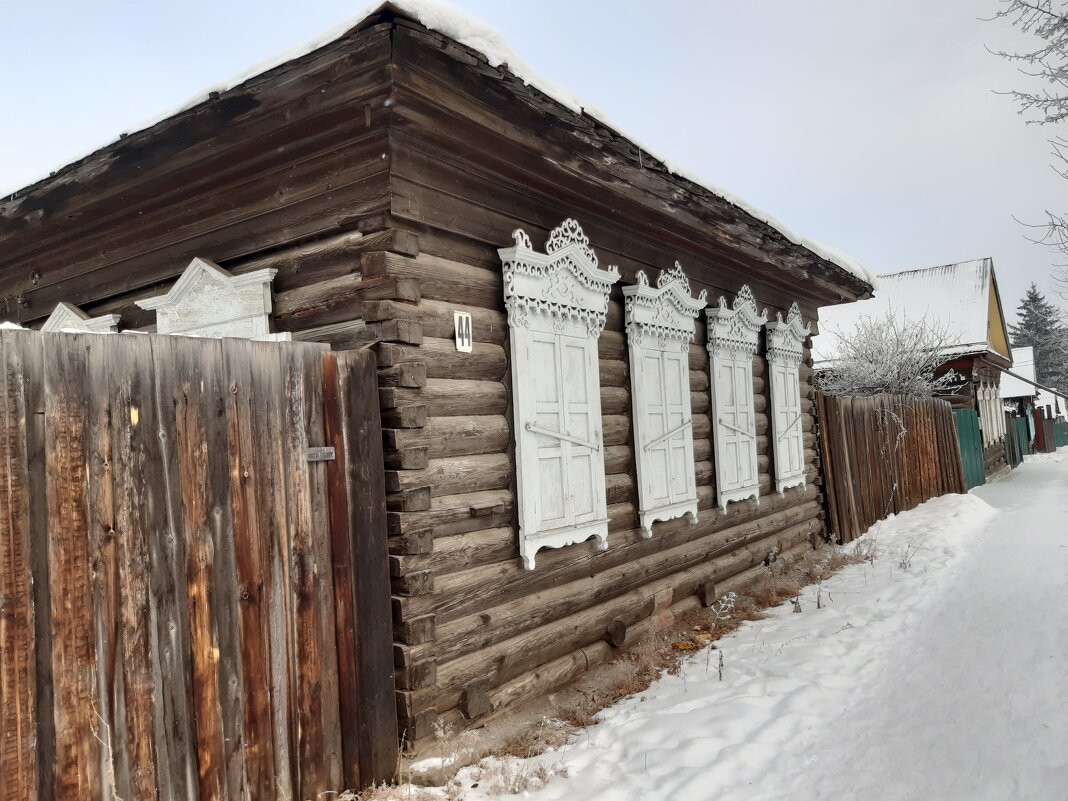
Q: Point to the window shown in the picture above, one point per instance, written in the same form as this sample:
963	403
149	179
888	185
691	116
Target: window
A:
660	327
557	303
786	341
733	336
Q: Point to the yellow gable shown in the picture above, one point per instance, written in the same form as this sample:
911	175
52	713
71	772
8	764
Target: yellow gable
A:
995	334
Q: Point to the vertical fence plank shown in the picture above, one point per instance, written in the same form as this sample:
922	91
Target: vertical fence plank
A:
175	736
139	518
74	658
365	475
195	423
343	566
267	385
110	720
18	675
315	689
251	565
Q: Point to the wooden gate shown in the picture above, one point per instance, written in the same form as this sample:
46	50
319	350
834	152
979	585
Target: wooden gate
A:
971	446
194	596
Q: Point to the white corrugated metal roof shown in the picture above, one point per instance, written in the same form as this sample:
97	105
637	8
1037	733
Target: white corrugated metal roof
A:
1023	364
956	296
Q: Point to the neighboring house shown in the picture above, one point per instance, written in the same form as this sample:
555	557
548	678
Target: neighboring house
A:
964	300
582	436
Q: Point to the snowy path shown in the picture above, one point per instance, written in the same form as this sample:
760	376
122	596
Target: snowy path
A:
946	680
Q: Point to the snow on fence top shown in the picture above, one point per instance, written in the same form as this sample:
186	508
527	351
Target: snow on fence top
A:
450	21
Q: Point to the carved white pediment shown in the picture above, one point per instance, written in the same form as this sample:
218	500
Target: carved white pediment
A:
208	301
665	314
786	338
736	329
786	343
561	286
68	317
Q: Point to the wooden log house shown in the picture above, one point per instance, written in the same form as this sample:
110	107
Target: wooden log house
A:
393	177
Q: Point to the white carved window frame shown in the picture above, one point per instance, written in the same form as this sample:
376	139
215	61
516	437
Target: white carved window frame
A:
559	296
208	301
733	340
660	328
786	348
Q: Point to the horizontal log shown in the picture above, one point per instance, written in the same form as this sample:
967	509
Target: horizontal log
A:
485	363
415	499
326	257
408	459
453	475
501	582
352	334
403	375
413	416
420	541
461	552
455	436
336	300
479	630
614	373
564	669
457	514
511	657
448	397
441	279
436	318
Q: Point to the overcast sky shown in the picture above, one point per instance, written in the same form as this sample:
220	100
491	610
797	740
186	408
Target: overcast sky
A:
871	126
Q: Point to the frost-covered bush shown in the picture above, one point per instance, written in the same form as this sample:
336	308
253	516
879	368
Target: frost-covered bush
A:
889	354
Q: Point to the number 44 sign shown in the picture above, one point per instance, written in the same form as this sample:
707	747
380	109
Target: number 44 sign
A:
462	324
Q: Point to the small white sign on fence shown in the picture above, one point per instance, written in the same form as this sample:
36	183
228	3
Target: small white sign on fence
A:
464	338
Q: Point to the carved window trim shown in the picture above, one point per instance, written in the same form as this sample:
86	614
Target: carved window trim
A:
733	340
559	296
660	328
786	347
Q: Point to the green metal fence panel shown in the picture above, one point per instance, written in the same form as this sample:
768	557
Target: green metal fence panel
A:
1023	435
1060	433
971	446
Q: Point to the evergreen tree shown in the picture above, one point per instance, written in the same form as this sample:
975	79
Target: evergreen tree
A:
1040	325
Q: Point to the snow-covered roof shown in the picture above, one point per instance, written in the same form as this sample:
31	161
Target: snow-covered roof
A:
1023	364
958	297
449	21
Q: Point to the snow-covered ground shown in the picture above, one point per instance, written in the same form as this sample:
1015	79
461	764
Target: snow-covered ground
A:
938	672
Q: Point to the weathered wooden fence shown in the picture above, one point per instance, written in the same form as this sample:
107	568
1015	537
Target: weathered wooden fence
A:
191	605
883	455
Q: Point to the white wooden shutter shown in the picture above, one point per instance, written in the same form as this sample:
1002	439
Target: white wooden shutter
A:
786	341
557	303
659	331
733	337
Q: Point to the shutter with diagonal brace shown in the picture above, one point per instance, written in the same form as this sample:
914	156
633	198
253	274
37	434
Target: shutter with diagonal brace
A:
733	337
786	340
660	327
557	303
